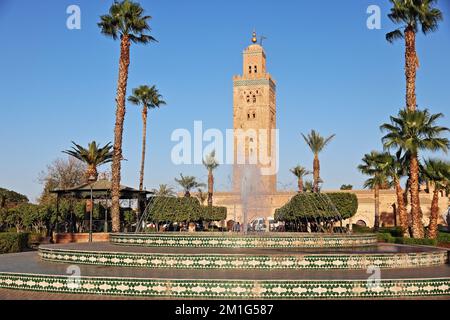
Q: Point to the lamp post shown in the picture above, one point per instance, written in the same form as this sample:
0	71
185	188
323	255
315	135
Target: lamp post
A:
91	180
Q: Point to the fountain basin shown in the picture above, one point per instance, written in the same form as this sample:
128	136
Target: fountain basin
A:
251	240
383	256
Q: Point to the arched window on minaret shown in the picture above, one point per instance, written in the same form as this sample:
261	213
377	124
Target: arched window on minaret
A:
256	69
249	69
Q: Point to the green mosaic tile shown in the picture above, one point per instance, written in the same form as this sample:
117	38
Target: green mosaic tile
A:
229	289
240	261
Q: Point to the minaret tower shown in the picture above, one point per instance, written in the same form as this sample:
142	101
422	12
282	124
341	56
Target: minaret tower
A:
254	111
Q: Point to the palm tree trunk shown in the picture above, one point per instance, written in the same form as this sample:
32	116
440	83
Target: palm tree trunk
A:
316	172
432	227
376	224
300	184
91	172
411	64
402	213
416	212
210	188
124	62
144	141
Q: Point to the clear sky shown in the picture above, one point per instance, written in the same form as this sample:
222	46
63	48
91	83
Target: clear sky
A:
333	74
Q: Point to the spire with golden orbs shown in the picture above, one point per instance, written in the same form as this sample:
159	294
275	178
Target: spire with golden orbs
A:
254	39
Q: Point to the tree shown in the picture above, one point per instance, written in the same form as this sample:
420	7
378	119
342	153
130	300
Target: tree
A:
373	166
413	131
210	164
94	156
164	191
62	174
188	183
412	15
201	196
395	169
309	186
148	98
316	143
10	198
438	173
126	20
300	172
346	187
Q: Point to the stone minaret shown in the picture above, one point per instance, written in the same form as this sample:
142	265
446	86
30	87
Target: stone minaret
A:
254	115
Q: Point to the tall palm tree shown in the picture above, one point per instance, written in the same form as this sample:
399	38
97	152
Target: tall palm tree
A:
300	172
164	191
211	164
316	143
148	98
188	183
413	131
373	166
126	20
93	156
412	15
438	173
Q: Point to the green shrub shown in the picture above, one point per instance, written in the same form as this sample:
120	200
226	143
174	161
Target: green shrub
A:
385	237
361	229
443	237
34	239
413	241
13	242
184	209
393	231
324	206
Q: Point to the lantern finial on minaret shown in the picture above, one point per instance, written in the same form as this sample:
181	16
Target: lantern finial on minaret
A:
254	39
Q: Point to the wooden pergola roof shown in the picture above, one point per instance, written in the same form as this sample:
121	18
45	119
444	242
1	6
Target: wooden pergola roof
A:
101	189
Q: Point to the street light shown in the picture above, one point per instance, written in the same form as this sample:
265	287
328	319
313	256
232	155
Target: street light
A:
91	180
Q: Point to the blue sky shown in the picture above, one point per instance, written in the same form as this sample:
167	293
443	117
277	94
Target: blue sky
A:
333	74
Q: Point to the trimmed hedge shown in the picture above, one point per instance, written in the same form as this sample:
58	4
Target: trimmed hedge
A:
361	229
13	242
184	209
393	231
443	237
324	206
425	242
387	237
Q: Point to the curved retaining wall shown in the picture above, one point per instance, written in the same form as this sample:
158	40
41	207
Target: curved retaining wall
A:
225	240
248	261
229	289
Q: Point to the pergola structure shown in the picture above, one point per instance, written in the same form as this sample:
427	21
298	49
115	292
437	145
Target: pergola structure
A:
100	190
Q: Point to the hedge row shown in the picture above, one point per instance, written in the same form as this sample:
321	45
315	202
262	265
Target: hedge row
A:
325	206
387	237
13	242
184	209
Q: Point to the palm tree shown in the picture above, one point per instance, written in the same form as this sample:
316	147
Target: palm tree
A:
373	166
164	191
395	168
300	172
316	143
149	98
438	173
211	164
412	15
201	196
309	186
188	183
93	156
126	20
413	131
